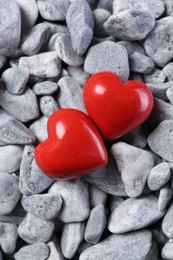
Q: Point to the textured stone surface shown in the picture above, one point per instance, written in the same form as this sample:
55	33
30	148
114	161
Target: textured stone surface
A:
165	197
8	237
167	250
45	88
55	249
39	128
167	225
48	105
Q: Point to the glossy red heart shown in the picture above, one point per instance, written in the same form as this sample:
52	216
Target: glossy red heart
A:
115	107
74	146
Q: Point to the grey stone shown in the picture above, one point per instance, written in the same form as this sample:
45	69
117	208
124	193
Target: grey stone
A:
169	93
167	71
35	40
105	4
132	47
13	131
8	237
17	106
159	237
156	7
168	7
56	28
140	63
3	60
51	43
97	40
78	74
45	88
133	214
153	253
160	49
107	56
44	206
97	196
165	197
155	76
32	180
75	198
65	51
55	249
72	235
48	105
29	13
167	224
53	10
114	202
43	65
167	251
134	245
159	176
70	94
108	179
10	27
15	80
131	24
39	128
37	251
136	76
11	154
80	24
160	90
160	140
134	164
33	229
100	16
9	193
96	224
83	246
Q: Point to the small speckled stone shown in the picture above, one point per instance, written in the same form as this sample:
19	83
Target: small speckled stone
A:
15	80
140	63
96	224
167	250
75	199
33	229
133	24
133	245
134	164
9	193
39	128
159	176
45	88
155	76
37	251
160	90
133	214
48	105
100	16
32	180
107	56
55	249
72	235
78	74
43	65
167	224
132	47
8	237
97	196
165	197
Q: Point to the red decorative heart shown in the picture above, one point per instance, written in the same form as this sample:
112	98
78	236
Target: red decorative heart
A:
116	108
74	147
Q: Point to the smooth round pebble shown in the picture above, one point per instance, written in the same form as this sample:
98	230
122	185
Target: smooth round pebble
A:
167	224
8	237
165	196
167	251
45	88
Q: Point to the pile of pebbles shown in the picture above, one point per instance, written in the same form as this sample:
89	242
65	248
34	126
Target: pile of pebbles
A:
48	49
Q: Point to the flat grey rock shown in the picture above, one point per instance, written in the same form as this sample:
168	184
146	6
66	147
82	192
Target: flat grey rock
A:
75	198
167	251
97	196
107	56
108	179
8	238
96	224
159	176
55	249
132	47
17	106
9	193
134	164
167	225
10	158
10	27
48	105
53	10
43	65
80	24
160	49
45	88
131	24
32	180
133	214
100	16
33	229
15	80
37	251
39	128
65	51
134	245
78	74
155	76
165	197
44	206
156	7
70	94
72	235
160	140
141	63
160	90
35	40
